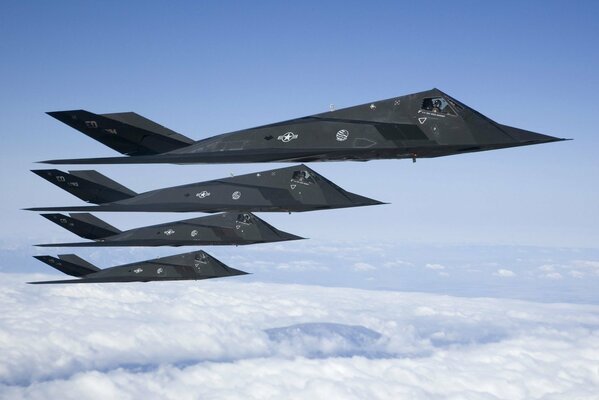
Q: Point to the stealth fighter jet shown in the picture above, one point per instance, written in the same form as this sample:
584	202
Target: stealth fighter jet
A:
238	228
420	125
189	266
290	189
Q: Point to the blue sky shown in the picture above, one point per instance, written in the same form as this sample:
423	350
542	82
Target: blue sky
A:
207	68
492	240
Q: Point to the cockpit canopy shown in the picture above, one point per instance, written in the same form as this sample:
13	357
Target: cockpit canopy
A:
437	105
244	218
302	176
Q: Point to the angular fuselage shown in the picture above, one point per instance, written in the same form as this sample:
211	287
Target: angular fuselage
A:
420	125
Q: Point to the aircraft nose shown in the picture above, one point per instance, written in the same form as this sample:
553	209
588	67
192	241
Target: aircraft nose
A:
364	201
290	236
528	137
372	202
234	272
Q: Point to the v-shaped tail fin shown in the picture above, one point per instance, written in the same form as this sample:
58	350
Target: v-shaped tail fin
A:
69	264
84	225
90	186
128	133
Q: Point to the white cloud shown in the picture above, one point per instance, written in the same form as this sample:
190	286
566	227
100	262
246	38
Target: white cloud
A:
504	273
589	265
362	266
435	266
553	275
576	269
208	340
397	264
576	274
302	265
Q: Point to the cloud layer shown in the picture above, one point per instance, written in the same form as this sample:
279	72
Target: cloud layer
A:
527	273
239	340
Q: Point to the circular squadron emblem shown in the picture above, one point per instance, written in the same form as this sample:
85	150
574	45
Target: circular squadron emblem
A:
342	135
198	260
236	195
194	233
203	194
160	270
288	137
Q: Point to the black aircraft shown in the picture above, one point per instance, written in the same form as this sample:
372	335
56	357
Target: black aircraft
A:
420	125
290	189
189	266
238	228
